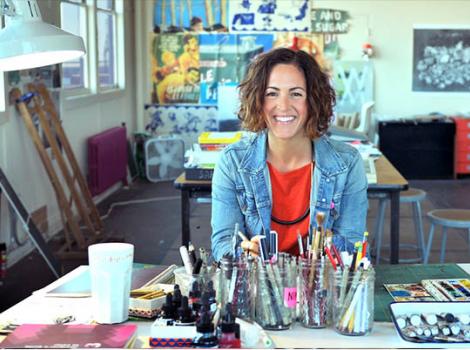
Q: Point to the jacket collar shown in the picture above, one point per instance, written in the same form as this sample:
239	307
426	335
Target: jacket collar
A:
327	158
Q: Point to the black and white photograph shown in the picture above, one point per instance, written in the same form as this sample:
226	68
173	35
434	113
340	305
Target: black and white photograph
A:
441	60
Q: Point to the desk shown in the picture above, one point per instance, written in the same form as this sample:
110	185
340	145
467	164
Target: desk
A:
389	184
38	308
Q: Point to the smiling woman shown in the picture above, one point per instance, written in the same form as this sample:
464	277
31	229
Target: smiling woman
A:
287	173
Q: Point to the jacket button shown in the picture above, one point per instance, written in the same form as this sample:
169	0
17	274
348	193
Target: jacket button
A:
327	180
323	200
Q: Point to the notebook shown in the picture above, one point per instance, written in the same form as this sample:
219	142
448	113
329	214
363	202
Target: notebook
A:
457	289
60	336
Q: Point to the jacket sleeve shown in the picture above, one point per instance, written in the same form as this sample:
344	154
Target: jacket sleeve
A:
225	208
351	222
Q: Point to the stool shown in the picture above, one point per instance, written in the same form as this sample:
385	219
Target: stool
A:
413	196
447	218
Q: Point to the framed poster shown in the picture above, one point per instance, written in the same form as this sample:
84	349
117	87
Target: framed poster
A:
441	59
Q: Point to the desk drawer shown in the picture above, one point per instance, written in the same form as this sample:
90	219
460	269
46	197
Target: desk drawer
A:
462	168
462	146
462	136
462	157
462	124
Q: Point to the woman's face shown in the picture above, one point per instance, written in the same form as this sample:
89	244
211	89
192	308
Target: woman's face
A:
285	102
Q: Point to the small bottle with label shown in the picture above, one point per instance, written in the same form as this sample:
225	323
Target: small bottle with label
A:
228	338
205	337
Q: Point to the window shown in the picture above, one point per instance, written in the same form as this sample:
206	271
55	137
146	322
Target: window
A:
99	23
74	20
106	23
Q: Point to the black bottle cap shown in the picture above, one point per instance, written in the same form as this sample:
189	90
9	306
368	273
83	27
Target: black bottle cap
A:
177	298
228	322
168	310
204	324
185	314
195	291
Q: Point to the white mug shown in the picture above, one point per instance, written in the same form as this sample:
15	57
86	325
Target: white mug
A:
111	273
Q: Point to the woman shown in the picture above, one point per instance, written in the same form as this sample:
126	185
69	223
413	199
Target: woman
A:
288	171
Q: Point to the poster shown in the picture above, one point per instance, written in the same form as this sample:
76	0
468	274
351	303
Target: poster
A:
172	16
308	42
175	68
441	60
185	121
269	15
224	59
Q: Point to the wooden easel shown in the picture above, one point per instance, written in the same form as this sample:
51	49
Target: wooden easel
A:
38	103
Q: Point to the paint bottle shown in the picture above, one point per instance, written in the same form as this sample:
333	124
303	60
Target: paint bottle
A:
228	338
195	297
176	297
185	314
168	310
205	337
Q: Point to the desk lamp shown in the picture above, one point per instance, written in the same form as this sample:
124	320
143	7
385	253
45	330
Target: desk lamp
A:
28	42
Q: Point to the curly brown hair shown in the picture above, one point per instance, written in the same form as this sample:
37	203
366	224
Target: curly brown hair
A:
321	97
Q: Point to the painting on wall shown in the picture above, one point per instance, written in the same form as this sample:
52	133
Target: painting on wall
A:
309	42
441	60
175	68
269	15
224	59
173	16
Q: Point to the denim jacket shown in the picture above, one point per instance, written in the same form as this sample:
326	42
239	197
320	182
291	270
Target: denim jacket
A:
241	192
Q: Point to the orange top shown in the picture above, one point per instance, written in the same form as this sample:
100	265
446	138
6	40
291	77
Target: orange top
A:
291	198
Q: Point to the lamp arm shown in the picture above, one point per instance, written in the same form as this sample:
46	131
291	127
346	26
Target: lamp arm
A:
24	9
7	8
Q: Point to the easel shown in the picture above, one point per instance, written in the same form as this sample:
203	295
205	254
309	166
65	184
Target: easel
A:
37	102
29	225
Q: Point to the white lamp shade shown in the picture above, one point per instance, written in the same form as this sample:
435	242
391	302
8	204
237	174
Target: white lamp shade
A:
34	43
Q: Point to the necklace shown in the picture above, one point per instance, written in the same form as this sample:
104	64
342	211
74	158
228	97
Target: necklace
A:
291	222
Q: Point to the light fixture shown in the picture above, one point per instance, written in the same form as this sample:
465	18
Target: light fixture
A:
28	42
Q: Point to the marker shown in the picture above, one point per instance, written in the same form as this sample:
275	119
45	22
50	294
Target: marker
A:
186	259
364	244
192	253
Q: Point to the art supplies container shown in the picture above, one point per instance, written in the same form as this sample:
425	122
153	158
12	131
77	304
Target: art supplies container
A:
314	281
206	280
276	295
238	286
353	301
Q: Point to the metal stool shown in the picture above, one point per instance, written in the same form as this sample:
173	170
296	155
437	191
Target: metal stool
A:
447	218
413	196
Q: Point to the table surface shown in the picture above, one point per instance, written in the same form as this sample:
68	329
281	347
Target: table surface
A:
387	177
38	308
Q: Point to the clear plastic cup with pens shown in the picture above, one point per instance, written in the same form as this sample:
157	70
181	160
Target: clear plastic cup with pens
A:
353	300
314	280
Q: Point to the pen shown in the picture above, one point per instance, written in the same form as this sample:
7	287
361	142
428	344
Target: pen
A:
300	243
364	244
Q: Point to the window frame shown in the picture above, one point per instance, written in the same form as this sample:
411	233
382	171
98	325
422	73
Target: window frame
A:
74	97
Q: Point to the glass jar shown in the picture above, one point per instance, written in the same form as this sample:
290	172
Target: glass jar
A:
353	301
275	295
314	299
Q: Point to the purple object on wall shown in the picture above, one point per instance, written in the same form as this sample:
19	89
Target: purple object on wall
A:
107	159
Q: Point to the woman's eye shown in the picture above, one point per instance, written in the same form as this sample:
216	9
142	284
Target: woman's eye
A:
271	94
297	94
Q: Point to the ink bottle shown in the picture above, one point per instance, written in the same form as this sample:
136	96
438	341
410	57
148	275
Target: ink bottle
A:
185	314
167	315
205	337
176	297
195	297
228	338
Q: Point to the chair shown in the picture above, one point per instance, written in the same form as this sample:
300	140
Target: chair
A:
447	218
414	196
365	118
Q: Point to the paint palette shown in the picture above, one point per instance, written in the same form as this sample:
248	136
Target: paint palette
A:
432	322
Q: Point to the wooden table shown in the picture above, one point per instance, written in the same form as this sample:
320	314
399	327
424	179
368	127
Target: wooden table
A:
389	184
